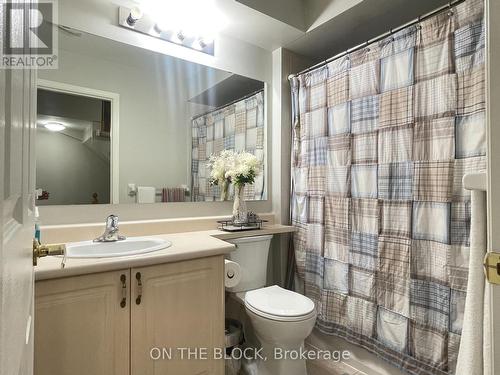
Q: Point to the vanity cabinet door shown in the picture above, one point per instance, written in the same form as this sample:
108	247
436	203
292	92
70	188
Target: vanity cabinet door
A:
82	325
178	305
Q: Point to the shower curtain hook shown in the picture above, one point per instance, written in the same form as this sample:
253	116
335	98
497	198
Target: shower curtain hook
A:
450	10
392	35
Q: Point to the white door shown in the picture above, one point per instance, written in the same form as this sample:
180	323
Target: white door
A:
17	130
493	200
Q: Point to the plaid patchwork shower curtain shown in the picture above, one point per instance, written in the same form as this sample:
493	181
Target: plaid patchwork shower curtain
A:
238	127
382	139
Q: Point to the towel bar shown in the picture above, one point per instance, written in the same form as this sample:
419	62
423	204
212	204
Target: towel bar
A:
158	192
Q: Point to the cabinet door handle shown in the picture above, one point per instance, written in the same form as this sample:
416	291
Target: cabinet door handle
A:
123	302
139	288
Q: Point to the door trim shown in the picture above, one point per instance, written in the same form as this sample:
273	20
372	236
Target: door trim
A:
492	56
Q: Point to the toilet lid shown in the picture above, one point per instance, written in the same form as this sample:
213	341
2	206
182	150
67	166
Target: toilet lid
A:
279	302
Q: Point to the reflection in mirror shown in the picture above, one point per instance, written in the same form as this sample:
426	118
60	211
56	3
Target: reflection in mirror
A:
139	126
238	126
73	149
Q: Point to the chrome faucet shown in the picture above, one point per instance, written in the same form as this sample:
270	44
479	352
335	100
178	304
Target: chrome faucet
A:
111	232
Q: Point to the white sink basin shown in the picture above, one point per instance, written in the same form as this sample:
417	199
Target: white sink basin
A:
129	246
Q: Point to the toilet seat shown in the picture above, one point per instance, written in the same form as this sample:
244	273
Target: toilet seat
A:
279	304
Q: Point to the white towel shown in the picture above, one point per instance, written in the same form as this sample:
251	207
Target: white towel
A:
146	194
472	353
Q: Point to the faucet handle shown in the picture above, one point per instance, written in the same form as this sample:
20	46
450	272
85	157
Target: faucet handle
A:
112	221
111	232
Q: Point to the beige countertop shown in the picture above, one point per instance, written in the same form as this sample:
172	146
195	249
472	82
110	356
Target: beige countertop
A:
187	245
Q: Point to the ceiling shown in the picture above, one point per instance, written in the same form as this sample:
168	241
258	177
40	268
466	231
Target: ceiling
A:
363	21
332	26
77	125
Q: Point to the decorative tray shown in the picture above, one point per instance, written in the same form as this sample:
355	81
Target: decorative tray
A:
230	226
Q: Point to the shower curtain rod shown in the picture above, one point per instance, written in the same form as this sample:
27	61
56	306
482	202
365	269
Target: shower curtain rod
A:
227	104
380	37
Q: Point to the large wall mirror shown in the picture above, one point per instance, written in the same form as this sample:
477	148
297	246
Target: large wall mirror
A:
121	124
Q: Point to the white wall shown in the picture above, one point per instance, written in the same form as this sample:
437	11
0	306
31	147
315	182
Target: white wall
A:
69	170
284	63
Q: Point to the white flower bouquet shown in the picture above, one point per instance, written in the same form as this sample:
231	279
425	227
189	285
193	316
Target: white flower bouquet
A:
238	168
219	165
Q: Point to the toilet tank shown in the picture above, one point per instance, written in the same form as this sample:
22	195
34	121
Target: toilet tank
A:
251	254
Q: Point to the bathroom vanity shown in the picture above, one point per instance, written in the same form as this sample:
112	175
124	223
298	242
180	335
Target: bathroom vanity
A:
108	322
128	315
120	321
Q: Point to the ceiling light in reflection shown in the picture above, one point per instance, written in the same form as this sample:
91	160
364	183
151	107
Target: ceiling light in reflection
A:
54	126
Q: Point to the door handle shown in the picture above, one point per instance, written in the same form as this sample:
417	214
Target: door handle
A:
40	251
123	302
492	267
139	288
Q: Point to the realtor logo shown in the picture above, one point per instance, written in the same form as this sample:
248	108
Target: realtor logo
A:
29	35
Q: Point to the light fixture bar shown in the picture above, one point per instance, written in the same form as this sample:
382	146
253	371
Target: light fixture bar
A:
134	19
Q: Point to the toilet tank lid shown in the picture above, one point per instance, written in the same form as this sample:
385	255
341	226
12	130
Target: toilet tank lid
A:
277	301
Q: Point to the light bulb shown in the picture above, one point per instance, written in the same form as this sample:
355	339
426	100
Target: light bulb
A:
135	15
156	30
202	42
179	36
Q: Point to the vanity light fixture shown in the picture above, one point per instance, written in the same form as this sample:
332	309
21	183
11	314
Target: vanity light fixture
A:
54	126
192	24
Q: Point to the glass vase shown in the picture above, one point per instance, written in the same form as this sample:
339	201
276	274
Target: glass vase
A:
240	211
224	190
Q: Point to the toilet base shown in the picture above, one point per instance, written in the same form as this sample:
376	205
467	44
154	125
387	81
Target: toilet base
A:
277	338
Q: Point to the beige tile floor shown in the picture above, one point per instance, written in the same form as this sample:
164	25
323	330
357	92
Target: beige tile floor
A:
331	368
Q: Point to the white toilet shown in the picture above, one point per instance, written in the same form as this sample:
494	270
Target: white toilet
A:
281	319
